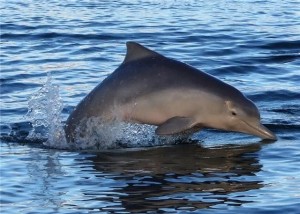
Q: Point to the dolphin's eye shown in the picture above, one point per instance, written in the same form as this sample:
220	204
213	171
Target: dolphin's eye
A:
233	113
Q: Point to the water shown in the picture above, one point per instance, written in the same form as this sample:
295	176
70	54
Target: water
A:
54	52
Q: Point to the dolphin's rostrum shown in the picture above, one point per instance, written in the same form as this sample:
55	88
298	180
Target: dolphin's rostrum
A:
149	88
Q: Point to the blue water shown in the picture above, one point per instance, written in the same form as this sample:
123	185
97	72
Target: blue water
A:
252	45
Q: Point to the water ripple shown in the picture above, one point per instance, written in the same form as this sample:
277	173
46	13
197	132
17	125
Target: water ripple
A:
281	45
54	35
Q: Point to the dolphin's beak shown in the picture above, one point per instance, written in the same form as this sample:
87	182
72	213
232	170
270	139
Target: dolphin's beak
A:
259	130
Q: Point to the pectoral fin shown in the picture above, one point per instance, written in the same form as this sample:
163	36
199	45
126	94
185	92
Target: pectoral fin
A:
175	125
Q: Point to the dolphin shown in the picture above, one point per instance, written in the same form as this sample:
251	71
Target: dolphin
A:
149	88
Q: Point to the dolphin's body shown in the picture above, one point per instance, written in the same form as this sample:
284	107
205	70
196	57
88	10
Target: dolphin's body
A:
149	88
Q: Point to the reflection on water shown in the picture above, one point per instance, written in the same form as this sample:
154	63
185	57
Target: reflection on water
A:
177	178
184	177
32	180
43	171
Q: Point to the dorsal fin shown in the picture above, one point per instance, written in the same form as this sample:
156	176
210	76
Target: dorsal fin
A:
136	51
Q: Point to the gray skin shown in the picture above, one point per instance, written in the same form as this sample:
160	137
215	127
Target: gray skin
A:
149	88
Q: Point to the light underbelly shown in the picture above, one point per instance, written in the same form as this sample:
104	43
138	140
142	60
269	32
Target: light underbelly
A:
155	109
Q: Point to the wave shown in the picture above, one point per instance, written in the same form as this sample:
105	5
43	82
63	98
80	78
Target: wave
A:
10	26
54	35
279	95
281	45
280	58
16	86
236	69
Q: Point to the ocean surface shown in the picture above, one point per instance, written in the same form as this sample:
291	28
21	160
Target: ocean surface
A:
53	53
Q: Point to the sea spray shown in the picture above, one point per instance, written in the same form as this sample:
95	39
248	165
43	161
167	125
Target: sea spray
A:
94	134
44	112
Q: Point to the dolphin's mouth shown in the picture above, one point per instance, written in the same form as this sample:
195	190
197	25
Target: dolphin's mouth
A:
259	130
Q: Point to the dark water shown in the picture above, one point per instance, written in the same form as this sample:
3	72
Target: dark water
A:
253	45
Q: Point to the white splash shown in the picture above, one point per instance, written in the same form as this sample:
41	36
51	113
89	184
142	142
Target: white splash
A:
44	112
93	134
